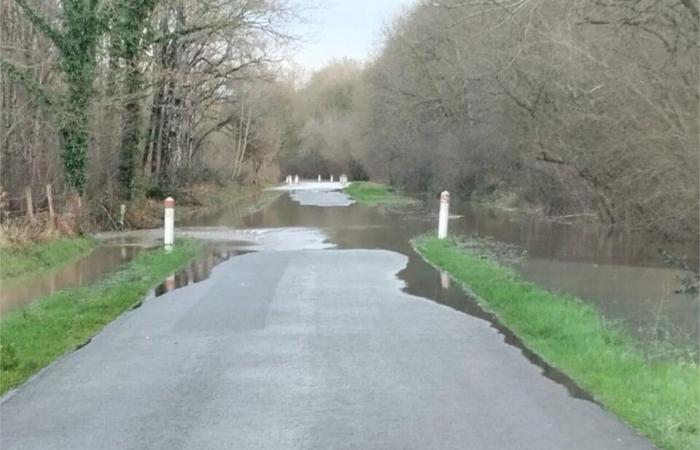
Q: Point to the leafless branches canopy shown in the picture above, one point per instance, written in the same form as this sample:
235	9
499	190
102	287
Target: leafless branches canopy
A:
572	106
576	107
184	98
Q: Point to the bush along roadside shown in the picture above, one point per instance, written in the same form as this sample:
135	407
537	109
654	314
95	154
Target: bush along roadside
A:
15	262
34	336
375	194
660	398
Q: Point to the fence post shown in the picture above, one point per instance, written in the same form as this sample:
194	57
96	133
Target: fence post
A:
49	198
169	225
444	279
444	215
3	195
30	204
122	214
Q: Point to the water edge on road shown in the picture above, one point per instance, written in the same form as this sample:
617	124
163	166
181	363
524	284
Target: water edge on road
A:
622	276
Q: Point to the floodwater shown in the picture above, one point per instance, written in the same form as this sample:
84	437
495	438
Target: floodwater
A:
82	271
200	269
619	272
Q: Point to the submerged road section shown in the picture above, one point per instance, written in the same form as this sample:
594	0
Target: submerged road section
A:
297	349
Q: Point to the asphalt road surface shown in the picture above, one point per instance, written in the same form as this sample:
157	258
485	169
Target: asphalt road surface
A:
301	349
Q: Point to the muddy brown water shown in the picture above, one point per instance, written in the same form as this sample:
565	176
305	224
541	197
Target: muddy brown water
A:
619	272
82	271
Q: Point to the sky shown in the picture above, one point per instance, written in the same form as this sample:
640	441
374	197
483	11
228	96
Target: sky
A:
344	28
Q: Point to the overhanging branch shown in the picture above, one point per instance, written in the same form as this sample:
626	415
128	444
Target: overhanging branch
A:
25	79
41	23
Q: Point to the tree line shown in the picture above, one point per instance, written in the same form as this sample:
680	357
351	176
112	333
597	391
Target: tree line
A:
114	99
572	107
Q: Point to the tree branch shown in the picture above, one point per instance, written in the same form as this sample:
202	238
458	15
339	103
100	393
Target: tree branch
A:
41	23
25	79
691	5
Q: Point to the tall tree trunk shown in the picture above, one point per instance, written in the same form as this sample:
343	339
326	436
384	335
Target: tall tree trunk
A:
131	133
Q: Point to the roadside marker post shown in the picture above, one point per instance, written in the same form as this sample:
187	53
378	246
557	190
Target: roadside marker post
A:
444	215
331	178
296	179
319	178
169	225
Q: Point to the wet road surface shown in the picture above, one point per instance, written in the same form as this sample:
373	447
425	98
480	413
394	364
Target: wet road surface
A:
294	346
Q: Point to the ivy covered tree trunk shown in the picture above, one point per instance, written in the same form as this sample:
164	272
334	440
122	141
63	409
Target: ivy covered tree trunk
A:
131	20
74	138
131	133
76	43
78	47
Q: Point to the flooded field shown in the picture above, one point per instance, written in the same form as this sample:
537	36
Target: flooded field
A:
82	271
619	273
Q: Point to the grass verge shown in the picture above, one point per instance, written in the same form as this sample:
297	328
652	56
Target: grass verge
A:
34	336
375	194
19	261
660	398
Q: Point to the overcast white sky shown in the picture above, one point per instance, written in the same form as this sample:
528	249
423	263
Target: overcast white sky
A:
344	28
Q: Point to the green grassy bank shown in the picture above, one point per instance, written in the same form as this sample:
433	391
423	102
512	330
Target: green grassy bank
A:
34	336
660	398
375	194
19	261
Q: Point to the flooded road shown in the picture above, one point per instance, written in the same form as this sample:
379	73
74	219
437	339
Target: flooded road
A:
623	276
316	325
303	349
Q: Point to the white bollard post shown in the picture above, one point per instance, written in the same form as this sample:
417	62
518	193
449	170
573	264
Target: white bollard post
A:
319	178
331	178
296	179
444	215
169	225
